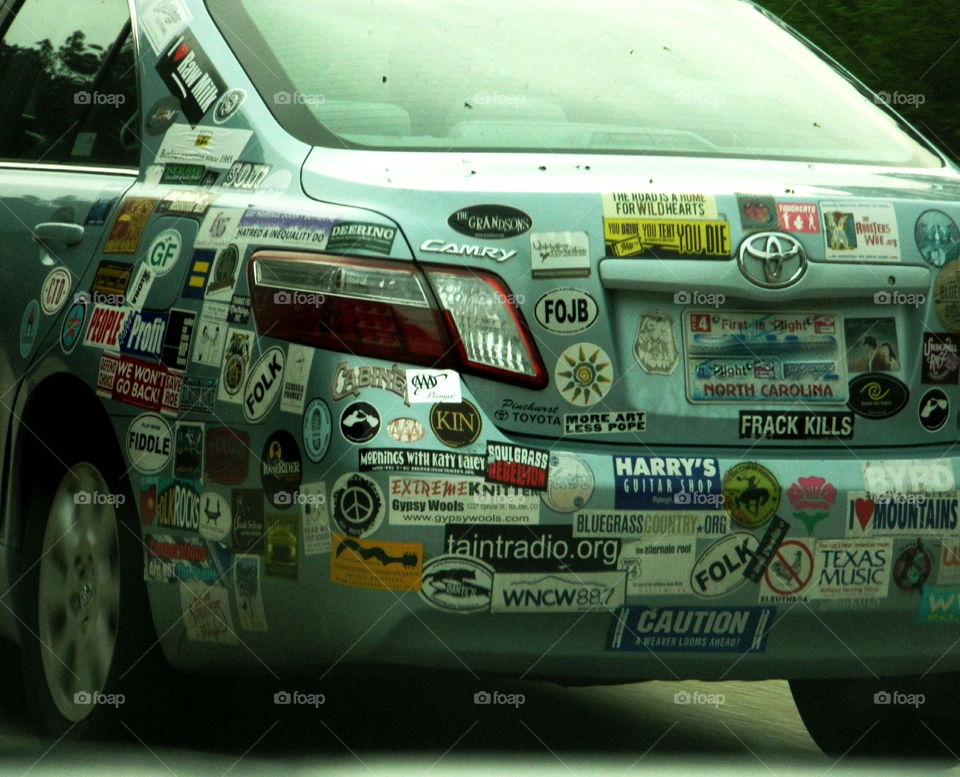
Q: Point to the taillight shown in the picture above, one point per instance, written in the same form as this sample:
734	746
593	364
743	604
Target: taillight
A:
385	310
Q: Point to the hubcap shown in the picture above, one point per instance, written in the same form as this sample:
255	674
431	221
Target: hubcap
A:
79	591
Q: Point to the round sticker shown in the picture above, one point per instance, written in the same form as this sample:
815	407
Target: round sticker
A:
359	422
164	252
456	424
751	494
162	114
149	443
29	323
56	287
876	395
584	374
934	409
570	484
72	328
938	239
912	568
946	296
457	584
791	568
357	505
281	469
228	105
316	429
216	520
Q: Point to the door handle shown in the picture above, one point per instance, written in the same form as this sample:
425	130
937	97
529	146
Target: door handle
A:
58	232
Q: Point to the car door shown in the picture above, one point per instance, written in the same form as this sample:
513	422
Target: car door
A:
68	151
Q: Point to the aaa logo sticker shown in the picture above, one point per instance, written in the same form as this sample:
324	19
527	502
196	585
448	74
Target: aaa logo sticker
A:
751	494
584	374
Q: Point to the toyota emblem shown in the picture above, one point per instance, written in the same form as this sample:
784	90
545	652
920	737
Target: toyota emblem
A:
772	260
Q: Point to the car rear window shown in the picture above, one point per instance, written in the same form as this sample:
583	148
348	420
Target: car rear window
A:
693	77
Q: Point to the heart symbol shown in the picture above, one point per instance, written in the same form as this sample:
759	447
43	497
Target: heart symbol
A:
864	510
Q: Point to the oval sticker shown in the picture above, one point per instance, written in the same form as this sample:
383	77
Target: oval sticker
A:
263	385
720	568
490	222
566	311
877	395
457	584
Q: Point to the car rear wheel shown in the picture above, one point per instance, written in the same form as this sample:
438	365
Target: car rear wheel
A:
84	627
906	716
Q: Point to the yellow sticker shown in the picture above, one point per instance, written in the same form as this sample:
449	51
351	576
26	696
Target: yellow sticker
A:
751	494
632	237
385	566
128	225
658	205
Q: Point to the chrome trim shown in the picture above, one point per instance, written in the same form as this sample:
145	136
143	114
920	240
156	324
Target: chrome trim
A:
133	172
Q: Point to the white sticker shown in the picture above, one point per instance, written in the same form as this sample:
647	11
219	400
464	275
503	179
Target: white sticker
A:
263	385
861	231
216	519
852	569
206	613
211	334
218	227
164	252
915	515
161	20
433	386
906	476
658	568
56	288
139	288
316	518
449	499
789	575
546	592
217	148
299	361
559	254
236	360
149	443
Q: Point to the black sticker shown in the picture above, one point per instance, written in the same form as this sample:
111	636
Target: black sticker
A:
455	423
877	396
518	466
934	409
281	469
941	358
176	343
247	510
161	115
796	425
768	546
757	212
359	422
490	222
190	77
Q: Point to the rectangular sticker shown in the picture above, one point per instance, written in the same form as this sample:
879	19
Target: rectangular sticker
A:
861	231
654	525
190	76
667	239
128	224
247	586
939	604
214	148
796	425
852	569
403	460
892	477
658	568
206	613
691	629
665	482
314	518
764	357
134	382
440	500
429	386
601	591
888	514
392	566
295	376
515	465
559	254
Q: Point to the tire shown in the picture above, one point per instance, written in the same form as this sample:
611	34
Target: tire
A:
85	628
901	716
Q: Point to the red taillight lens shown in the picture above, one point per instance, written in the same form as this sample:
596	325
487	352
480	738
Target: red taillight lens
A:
385	310
357	306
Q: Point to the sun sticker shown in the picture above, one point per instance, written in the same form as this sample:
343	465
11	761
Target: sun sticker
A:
584	374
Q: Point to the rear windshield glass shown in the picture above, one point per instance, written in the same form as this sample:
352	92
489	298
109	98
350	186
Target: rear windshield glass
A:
695	77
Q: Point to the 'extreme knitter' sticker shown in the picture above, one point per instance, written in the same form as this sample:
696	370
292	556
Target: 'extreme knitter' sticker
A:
664	225
764	357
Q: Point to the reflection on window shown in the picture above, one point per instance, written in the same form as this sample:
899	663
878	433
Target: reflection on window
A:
67	84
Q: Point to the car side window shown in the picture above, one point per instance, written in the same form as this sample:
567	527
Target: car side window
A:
68	84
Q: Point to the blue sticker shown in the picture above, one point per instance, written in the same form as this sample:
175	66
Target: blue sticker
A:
144	334
316	429
939	604
691	629
28	327
200	266
71	331
666	483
